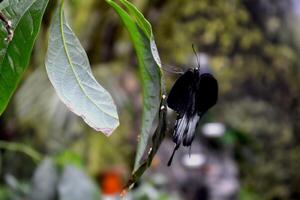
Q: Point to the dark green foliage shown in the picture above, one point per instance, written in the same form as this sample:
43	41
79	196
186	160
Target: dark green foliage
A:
26	19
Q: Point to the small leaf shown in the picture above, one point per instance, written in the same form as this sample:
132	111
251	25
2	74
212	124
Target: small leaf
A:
70	73
25	17
141	34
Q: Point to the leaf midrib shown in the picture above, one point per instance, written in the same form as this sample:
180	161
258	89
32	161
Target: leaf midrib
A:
72	67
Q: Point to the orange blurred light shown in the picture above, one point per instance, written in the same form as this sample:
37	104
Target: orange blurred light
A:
111	183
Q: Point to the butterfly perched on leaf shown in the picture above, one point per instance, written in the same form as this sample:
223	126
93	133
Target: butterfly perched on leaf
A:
190	97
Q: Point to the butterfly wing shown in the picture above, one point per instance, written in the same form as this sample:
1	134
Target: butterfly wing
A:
180	93
191	96
207	93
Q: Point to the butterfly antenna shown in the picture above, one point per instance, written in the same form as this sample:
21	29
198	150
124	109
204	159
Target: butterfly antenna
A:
198	62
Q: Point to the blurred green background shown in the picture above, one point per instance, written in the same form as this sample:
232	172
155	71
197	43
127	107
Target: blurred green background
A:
251	46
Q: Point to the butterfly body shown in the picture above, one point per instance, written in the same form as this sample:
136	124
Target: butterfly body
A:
190	97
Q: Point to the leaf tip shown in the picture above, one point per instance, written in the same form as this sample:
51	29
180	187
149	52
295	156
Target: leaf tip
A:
106	131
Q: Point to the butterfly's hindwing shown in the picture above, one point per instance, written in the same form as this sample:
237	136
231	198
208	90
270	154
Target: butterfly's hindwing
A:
206	93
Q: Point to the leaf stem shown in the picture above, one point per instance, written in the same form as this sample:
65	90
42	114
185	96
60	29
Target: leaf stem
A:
34	155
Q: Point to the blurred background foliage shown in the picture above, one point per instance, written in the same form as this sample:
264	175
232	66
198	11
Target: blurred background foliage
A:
253	48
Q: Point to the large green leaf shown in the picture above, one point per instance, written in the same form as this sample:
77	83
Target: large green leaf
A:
140	32
70	73
25	17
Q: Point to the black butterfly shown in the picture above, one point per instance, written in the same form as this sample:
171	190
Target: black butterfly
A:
190	97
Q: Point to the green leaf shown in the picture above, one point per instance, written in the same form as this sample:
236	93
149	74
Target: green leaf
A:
157	139
26	17
138	18
140	32
146	27
70	73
